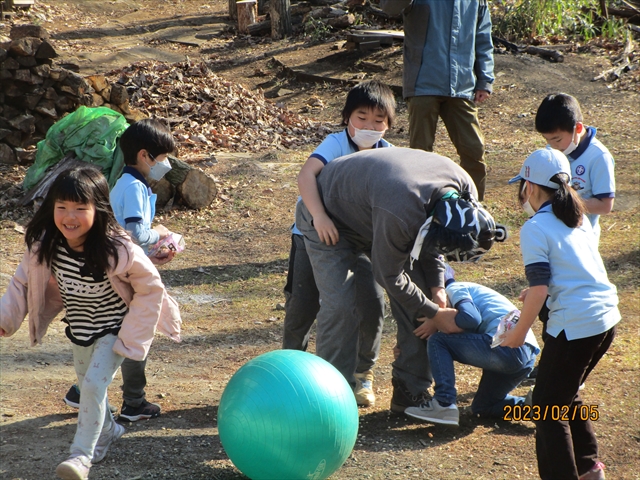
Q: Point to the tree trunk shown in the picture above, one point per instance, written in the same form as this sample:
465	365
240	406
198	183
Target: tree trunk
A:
233	10
247	12
280	19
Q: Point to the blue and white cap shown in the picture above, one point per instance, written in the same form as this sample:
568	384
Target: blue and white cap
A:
542	165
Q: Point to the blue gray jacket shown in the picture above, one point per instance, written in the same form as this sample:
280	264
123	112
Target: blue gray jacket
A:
447	46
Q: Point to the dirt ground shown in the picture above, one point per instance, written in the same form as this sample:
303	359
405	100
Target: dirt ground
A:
229	280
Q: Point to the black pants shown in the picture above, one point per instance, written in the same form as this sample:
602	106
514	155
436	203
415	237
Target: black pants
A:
566	445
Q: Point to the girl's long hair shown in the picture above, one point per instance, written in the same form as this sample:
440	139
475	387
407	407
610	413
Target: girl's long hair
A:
566	204
82	185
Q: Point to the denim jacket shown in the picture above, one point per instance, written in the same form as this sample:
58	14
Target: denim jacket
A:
447	46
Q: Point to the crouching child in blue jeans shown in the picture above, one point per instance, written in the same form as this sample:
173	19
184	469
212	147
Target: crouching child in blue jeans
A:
503	368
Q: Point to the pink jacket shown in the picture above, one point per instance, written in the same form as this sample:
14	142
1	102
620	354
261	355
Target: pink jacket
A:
33	290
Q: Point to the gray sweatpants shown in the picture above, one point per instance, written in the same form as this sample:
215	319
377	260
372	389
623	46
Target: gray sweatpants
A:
334	268
302	305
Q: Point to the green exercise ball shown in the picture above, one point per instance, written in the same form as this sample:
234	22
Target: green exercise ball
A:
286	415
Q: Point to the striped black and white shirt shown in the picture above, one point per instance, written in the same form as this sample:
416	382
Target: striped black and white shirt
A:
93	308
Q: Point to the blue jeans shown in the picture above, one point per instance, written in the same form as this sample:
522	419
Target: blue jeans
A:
503	369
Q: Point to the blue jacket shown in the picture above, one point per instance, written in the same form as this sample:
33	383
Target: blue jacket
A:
447	46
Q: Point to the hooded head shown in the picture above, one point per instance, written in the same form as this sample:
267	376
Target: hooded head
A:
460	229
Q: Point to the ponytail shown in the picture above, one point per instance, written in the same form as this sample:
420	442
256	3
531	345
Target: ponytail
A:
567	205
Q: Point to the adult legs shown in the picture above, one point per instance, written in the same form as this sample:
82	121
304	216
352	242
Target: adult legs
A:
423	120
370	310
460	116
96	367
412	364
302	298
566	448
334	267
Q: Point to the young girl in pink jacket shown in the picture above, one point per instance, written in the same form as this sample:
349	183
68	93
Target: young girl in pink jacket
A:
79	260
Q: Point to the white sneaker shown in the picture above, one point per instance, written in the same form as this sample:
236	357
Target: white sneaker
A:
431	411
74	468
364	389
105	441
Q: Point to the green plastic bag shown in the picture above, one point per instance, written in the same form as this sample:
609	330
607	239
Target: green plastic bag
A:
91	134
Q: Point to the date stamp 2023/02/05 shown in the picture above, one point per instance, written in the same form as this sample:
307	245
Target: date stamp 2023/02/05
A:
534	413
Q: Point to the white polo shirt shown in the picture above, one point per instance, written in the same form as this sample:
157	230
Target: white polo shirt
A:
336	145
582	301
592	172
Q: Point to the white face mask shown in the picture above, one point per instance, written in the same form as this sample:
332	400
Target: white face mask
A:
526	206
366	138
573	145
159	170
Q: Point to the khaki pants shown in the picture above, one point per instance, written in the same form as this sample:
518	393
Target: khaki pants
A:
460	117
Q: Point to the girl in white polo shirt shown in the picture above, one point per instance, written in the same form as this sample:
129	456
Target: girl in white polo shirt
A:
560	254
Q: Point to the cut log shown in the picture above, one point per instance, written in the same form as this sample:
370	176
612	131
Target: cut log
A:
164	191
195	188
233	10
281	25
178	172
263	27
247	13
198	189
344	21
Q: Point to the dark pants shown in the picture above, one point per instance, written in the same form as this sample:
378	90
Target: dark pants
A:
302	297
460	116
133	381
412	365
566	448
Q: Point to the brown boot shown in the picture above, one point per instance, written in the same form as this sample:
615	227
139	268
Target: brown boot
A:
403	398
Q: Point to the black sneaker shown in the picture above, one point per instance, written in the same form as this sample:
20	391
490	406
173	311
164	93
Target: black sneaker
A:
531	379
72	398
403	398
145	410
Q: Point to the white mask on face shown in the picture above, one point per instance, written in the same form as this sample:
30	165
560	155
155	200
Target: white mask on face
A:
159	170
526	206
572	146
366	138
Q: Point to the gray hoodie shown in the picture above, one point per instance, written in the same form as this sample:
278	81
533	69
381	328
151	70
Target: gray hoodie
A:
379	199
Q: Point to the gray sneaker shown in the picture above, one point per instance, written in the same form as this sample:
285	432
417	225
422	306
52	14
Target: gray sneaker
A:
105	441
431	411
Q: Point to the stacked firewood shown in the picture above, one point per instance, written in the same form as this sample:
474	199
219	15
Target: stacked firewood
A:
35	93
